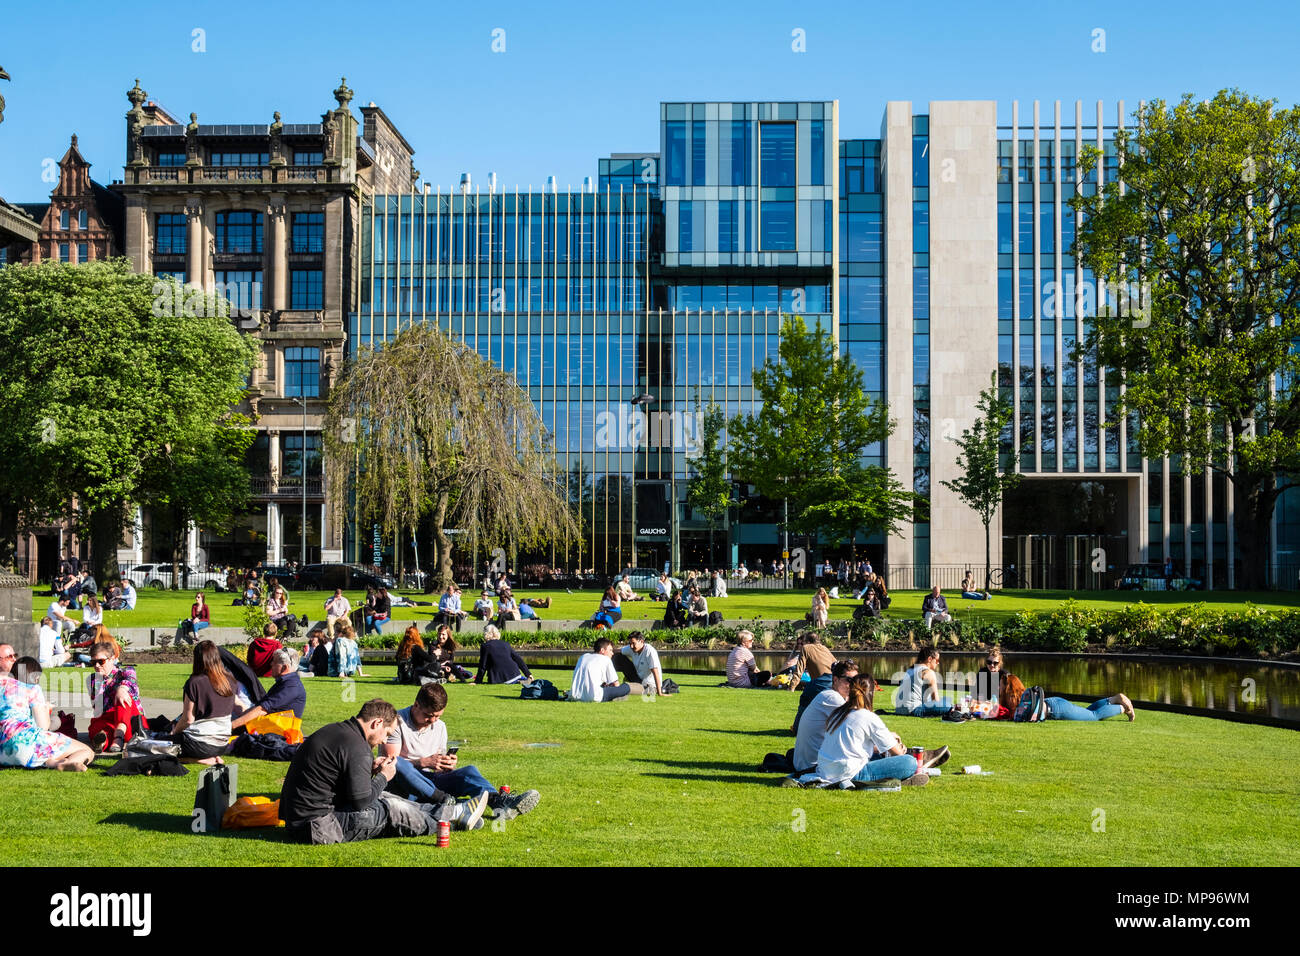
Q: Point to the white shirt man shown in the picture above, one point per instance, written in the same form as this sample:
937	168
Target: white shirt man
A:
128	594
335	608
57	613
719	585
594	677
645	659
51	652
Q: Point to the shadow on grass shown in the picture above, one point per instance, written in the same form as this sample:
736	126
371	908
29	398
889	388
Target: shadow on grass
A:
176	823
782	732
725	772
769	779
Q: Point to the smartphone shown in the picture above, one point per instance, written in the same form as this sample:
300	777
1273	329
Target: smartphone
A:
452	751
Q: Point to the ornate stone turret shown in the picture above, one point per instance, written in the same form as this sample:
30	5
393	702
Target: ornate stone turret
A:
343	94
340	129
135	119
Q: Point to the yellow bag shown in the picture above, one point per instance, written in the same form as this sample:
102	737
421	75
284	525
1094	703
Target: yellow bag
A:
248	812
283	722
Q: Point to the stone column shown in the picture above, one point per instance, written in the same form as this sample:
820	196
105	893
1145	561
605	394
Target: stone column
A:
277	219
272	533
192	548
274	435
195	258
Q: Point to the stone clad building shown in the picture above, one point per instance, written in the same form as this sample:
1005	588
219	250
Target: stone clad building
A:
268	215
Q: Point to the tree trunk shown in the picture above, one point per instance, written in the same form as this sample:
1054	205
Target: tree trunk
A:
444	542
176	549
9	536
1254	498
105	530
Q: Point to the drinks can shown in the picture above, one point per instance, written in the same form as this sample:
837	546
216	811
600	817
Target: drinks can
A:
916	752
504	791
444	833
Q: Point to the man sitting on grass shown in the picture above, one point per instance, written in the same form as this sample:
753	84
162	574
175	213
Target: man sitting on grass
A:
918	692
934	608
638	662
810	656
287	693
594	677
624	590
426	771
334	790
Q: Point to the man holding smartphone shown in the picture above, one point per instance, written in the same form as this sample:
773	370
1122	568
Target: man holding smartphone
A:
425	769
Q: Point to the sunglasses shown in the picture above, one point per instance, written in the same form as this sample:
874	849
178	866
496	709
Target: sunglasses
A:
99	660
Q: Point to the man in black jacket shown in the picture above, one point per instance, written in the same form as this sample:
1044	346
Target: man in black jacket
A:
334	790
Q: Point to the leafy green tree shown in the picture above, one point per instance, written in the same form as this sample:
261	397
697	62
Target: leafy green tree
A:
709	490
1201	244
982	482
424	426
100	376
813	425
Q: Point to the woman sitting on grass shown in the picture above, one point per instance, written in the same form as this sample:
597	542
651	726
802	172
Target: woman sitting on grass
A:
277	609
969	592
25	736
115	699
413	661
610	611
344	656
200	617
853	734
208	702
444	656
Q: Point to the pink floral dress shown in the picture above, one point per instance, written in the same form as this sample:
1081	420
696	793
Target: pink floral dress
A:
22	742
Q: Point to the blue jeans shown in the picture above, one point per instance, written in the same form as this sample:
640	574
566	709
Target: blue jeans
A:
417	784
900	767
1058	708
973	596
374	624
189	626
929	708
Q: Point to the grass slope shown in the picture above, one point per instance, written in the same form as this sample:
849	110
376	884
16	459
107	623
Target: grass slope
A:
673	782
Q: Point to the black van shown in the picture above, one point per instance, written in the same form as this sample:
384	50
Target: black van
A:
349	577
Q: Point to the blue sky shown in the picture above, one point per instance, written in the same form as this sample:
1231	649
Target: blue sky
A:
578	81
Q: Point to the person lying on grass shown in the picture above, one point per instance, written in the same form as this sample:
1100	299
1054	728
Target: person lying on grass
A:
812	726
334	791
853	735
25	736
427	771
594	677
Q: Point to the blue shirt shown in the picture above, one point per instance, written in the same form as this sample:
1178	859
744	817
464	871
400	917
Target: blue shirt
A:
287	693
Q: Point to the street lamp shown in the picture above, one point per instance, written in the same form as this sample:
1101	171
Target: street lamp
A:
642	400
302	536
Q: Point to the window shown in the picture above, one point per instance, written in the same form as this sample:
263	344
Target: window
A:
239	158
239	232
778	227
169	234
699	153
307	158
675	153
63	252
817	161
685	226
83	217
242	289
292	444
63	219
733	154
166	274
308	232
83	252
302	372
777	156
307	289
171	159
728	226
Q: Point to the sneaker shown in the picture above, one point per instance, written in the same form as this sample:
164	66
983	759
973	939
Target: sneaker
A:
917	780
790	782
469	814
519	804
934	758
887	783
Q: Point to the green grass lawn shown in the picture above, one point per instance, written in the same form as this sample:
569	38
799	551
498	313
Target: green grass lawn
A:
166	608
674	782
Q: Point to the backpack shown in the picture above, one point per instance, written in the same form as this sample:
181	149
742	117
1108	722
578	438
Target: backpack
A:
669	686
540	689
715	618
1032	707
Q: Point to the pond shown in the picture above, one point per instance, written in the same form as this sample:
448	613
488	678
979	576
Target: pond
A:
1234	689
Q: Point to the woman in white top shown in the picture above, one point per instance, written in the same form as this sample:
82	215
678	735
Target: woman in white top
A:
853	734
93	613
821	608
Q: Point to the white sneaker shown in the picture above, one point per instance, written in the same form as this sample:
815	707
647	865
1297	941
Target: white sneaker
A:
469	813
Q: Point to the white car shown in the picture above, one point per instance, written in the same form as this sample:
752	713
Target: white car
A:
159	577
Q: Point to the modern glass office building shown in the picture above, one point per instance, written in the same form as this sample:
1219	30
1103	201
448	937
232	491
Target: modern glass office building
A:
937	254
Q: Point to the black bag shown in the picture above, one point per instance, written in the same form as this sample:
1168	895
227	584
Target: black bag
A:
669	686
715	618
264	747
147	765
218	788
539	689
778	763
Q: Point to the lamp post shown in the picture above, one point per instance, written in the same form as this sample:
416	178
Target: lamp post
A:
302	536
642	400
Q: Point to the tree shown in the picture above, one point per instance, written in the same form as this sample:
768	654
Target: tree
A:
1202	237
709	490
100	375
438	431
982	482
813	426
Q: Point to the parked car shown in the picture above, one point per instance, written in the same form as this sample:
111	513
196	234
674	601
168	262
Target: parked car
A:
159	577
645	579
1151	577
285	575
350	577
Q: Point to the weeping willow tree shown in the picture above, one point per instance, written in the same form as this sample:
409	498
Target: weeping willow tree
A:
424	426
